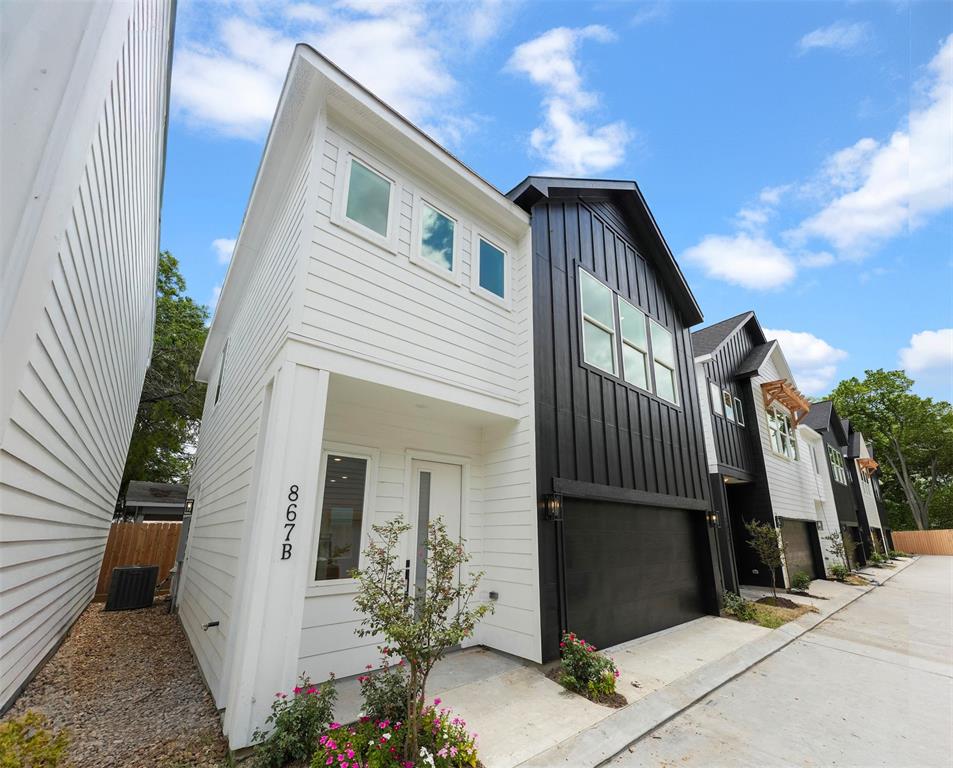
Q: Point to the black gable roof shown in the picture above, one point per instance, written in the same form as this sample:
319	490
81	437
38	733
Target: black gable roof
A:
823	417
750	365
629	198
707	341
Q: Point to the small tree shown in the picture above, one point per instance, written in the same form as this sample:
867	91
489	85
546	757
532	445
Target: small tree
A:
835	545
764	541
419	625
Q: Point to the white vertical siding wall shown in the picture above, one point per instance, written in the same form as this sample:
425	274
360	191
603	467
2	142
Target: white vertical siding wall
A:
225	461
72	380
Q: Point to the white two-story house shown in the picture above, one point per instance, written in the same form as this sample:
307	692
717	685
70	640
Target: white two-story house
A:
370	358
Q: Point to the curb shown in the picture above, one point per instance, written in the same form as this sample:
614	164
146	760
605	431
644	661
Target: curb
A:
605	740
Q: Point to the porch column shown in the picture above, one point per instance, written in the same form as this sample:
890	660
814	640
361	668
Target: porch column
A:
266	636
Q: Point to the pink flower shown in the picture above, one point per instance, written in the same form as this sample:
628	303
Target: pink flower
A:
350	753
436	702
329	761
278	695
363	679
334	726
369	666
312	689
297	690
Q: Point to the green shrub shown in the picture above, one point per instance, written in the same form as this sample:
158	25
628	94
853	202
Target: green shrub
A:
896	554
584	670
385	692
876	560
839	572
295	722
800	581
442	742
737	606
29	742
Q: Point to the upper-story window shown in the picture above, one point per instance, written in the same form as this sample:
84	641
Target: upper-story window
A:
717	406
368	198
663	355
437	237
864	477
635	345
739	413
838	468
598	324
782	434
491	268
729	404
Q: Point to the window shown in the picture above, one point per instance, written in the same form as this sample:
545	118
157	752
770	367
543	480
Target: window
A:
492	269
221	373
817	469
729	405
864	477
663	357
635	345
739	414
782	434
838	468
342	517
714	392
436	237
598	323
368	198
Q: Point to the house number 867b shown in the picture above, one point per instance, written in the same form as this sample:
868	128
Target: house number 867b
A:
291	514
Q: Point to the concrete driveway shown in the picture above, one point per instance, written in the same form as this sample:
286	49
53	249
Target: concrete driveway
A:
870	686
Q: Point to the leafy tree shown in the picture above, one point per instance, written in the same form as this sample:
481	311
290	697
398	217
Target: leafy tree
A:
170	407
837	547
420	624
912	437
767	546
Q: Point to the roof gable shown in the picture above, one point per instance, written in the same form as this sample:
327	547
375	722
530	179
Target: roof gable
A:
632	204
708	341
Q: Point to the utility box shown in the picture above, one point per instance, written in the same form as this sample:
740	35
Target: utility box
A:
132	587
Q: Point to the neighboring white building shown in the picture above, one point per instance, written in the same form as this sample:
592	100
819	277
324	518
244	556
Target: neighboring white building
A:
84	91
816	485
370	357
865	465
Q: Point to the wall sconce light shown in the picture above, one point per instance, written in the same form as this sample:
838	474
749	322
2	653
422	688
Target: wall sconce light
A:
552	507
189	503
820	525
713	520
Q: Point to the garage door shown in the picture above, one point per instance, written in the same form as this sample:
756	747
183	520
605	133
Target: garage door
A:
798	550
631	570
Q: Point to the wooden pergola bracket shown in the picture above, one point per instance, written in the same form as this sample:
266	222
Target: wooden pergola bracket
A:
782	391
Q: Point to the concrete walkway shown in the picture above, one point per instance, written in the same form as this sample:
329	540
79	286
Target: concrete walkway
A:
870	686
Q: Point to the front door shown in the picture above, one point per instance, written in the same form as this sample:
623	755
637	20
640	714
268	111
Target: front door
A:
438	492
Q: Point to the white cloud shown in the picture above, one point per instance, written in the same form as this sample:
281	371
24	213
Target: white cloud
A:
886	189
649	12
751	262
840	36
566	141
223	247
929	350
815	260
813	361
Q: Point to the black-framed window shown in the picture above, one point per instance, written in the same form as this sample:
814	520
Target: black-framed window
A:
342	516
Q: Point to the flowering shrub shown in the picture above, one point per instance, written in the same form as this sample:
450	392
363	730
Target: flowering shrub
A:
295	723
443	742
585	671
385	692
28	741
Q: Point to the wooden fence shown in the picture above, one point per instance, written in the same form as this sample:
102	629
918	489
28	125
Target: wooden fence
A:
924	542
138	544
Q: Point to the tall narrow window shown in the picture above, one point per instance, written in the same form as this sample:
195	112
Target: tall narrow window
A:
739	413
342	516
368	198
492	269
714	393
635	345
663	358
221	373
782	434
598	323
436	237
729	405
838	468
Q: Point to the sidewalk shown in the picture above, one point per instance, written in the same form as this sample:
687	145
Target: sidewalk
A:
525	719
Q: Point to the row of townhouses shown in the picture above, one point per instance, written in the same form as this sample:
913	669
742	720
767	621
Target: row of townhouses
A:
395	338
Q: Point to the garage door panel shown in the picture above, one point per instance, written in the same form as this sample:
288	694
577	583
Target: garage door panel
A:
798	549
630	570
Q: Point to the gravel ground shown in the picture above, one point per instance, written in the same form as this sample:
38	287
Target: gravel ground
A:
125	686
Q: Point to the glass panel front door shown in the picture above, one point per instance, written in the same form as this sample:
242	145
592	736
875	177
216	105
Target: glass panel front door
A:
438	492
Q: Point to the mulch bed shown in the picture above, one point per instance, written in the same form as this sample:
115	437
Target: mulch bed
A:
778	602
614	700
126	688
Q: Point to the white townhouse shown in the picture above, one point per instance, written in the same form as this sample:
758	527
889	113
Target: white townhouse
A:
866	487
84	88
370	358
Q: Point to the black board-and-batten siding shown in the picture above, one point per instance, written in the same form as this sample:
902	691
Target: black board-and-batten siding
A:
597	436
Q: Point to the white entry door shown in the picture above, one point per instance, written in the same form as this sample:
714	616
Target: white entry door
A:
438	492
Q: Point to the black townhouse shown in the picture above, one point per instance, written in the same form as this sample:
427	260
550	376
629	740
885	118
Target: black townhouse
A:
625	544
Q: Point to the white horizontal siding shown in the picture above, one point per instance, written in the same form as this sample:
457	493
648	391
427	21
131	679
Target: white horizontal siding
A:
72	409
225	458
817	487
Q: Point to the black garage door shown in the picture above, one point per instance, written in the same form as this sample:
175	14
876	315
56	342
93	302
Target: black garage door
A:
799	549
631	570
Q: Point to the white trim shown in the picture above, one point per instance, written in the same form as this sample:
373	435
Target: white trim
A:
647	355
416	256
347	153
479	233
727	396
584	318
673	368
315	587
739	412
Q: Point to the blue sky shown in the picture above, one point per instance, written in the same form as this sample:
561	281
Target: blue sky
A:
797	156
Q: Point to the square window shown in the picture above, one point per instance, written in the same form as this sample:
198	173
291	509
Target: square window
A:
635	366
665	383
436	237
342	517
368	198
597	347
492	269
